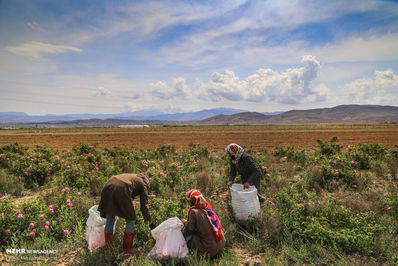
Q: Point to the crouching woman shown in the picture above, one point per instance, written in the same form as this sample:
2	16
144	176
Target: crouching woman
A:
203	228
117	200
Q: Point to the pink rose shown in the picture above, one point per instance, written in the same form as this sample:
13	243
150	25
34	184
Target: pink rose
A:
31	225
153	196
66	232
46	227
20	216
32	234
7	231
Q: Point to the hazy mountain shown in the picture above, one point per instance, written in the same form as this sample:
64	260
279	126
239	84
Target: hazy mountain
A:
25	118
184	116
13	117
338	114
272	113
137	115
220	116
247	118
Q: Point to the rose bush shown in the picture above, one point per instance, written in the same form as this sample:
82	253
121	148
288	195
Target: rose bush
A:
334	199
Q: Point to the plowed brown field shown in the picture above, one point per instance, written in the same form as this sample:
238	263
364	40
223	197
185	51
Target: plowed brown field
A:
215	137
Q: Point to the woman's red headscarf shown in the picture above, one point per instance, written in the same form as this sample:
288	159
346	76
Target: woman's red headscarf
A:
197	201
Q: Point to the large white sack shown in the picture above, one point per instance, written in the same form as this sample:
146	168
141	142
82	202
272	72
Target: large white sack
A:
170	243
95	232
245	203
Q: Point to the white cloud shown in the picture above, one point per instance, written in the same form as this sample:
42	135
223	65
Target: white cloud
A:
360	49
144	20
386	79
134	96
109	89
289	87
200	48
292	86
364	49
24	65
34	26
240	36
35	49
101	92
250	36
380	89
179	89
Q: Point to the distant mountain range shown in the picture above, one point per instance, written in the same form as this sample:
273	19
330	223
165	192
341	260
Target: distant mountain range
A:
138	115
339	114
219	116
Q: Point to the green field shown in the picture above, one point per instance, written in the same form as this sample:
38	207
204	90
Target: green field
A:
329	204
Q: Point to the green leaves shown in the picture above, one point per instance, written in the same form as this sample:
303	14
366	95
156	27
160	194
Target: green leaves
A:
308	194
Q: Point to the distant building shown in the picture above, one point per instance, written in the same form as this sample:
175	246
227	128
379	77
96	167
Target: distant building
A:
134	126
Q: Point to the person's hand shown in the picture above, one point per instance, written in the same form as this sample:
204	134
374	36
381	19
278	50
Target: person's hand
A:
184	221
246	185
152	226
229	183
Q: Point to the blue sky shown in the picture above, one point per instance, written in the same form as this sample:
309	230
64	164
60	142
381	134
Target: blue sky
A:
64	57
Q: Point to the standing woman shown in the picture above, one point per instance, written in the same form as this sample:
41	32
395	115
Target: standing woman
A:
245	165
203	228
117	200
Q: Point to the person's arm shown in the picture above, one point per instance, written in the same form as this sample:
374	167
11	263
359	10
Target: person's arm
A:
232	172
255	172
144	206
191	224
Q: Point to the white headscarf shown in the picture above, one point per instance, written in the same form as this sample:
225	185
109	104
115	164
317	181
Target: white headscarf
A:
236	150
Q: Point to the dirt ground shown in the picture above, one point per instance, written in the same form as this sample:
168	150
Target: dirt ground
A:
215	138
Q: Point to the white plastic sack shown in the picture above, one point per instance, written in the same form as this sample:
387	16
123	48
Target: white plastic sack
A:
245	203
170	243
95	233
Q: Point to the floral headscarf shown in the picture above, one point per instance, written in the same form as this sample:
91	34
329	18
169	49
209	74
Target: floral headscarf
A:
198	202
196	199
235	150
146	181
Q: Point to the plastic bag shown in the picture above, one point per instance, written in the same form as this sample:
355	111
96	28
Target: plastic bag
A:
245	203
95	233
170	243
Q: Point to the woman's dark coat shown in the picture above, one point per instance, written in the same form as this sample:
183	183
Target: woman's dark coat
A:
118	194
248	169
